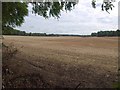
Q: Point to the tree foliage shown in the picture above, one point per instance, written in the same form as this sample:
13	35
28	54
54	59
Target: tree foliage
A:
48	9
106	5
10	31
13	13
106	33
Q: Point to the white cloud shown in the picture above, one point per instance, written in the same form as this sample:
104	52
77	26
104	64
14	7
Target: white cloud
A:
82	20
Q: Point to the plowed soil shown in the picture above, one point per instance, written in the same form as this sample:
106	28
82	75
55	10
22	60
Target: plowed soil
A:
62	62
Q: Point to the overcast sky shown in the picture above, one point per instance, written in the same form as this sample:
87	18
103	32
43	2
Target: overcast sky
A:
82	20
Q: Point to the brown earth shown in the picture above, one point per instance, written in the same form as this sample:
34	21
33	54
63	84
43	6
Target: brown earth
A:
59	62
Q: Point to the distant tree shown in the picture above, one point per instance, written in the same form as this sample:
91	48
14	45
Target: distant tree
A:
118	32
106	33
94	34
30	34
10	31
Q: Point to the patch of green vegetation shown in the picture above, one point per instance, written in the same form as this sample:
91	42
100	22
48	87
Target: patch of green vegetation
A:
116	85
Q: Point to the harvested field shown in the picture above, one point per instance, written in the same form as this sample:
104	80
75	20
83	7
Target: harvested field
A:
59	62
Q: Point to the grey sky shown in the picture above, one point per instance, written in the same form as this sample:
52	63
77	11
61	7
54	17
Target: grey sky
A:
81	20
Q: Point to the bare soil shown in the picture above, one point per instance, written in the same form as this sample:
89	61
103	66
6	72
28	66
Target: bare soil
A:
61	62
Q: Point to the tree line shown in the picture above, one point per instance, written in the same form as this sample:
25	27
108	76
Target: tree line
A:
106	33
7	30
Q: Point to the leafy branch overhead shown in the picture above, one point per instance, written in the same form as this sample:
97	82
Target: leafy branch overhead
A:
106	5
13	13
48	9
